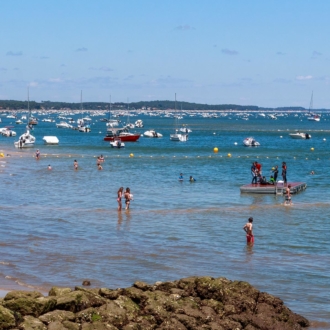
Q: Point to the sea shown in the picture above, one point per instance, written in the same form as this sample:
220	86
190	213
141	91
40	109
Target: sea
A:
60	227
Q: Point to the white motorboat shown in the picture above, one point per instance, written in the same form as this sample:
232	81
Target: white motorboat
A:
53	140
300	135
152	134
112	123
185	130
26	140
179	137
63	124
116	143
251	142
139	123
7	131
19	122
85	128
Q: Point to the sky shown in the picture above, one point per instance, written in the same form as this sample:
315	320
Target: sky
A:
256	52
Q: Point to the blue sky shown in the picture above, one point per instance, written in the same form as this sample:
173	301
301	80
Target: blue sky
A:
265	53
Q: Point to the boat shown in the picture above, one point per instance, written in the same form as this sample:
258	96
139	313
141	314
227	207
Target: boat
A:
33	121
139	123
26	140
312	116
63	124
19	122
117	143
52	140
152	134
185	130
122	133
7	131
82	126
177	136
251	142
300	135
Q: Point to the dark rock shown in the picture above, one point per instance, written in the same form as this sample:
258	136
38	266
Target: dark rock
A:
193	303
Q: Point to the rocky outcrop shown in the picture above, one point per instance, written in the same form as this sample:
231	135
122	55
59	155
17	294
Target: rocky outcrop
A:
201	303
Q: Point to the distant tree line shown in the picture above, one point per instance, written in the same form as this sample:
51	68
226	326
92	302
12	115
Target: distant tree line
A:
152	105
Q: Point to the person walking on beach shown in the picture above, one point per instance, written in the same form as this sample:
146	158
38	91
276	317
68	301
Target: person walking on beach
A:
128	198
288	200
249	232
37	154
75	165
284	169
119	196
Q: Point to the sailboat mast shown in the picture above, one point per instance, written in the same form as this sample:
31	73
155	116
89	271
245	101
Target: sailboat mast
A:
311	103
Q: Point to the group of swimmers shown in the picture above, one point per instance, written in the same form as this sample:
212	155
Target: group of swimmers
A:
191	179
127	195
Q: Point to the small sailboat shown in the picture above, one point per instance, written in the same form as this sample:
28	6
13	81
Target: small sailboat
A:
82	125
312	116
26	140
177	136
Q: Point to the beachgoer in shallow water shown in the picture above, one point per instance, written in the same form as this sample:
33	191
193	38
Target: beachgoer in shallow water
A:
99	167
119	197
128	198
191	179
181	177
49	167
37	154
288	200
75	165
102	158
249	232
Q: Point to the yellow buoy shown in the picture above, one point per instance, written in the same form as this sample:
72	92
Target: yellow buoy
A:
2	155
215	149
131	155
229	155
312	149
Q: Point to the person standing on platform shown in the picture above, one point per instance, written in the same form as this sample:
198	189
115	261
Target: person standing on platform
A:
275	173
254	173
249	232
284	169
258	166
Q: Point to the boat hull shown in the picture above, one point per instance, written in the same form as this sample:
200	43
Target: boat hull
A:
124	138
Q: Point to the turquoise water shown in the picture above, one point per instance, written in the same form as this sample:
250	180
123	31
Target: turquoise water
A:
61	227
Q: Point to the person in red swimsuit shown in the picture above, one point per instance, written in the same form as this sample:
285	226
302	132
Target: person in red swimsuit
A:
249	232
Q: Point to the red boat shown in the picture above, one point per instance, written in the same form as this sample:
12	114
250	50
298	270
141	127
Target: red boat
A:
121	133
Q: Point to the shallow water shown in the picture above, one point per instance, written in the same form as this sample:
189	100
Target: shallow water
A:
61	227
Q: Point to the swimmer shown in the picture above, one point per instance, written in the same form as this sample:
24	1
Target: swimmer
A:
249	232
75	165
312	173
288	200
101	158
49	167
37	154
99	167
191	179
181	177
